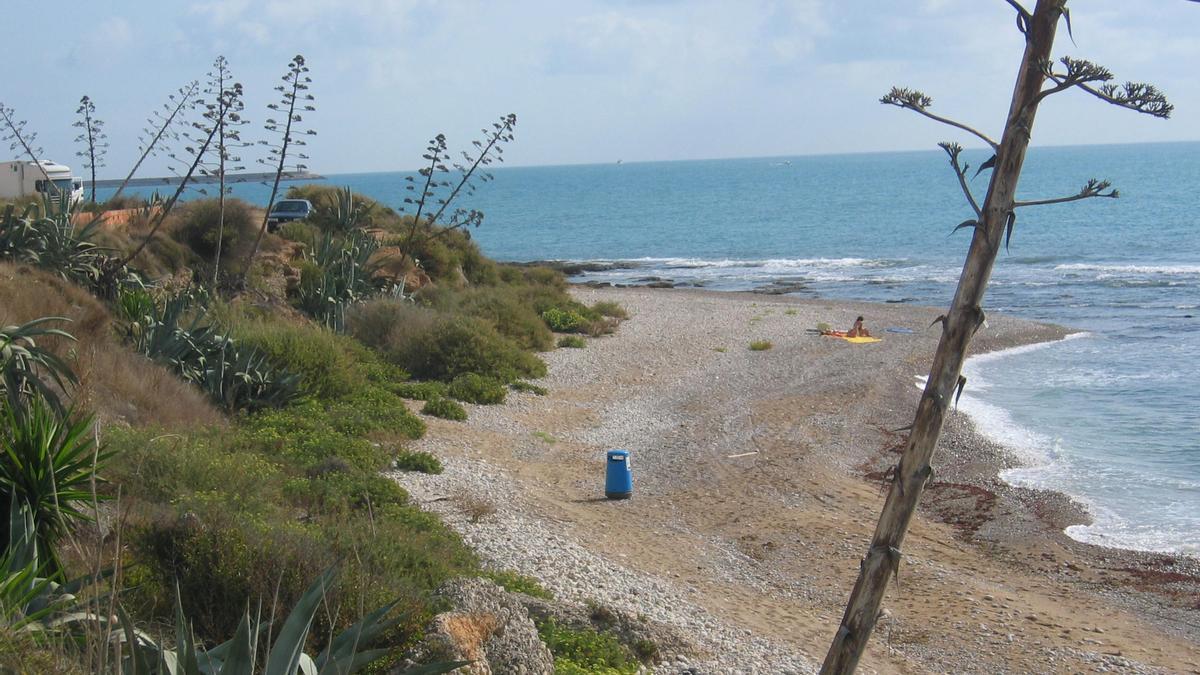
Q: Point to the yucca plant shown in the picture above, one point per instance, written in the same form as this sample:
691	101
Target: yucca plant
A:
31	602
27	369
48	463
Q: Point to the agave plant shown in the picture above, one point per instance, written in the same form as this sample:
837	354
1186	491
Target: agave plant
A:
47	238
337	276
234	377
19	240
345	212
48	464
243	379
25	367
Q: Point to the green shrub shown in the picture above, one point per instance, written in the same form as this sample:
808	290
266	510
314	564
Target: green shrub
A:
417	460
221	561
158	467
611	309
310	433
474	388
433	346
445	409
236	377
301	232
404	555
563	321
374	409
421	391
340	491
522	385
760	345
515	582
199	223
324	361
586	651
572	341
503	307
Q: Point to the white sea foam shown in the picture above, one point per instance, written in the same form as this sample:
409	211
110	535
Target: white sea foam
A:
1048	465
974	361
771	263
1168	270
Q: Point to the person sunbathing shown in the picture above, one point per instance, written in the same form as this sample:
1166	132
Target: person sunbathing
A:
858	330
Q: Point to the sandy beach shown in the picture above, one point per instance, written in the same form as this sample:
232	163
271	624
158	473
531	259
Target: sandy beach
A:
757	484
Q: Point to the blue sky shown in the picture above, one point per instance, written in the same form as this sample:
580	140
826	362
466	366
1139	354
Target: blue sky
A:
591	81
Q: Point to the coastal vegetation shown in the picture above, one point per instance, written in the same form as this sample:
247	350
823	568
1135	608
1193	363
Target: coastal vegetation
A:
190	439
1038	78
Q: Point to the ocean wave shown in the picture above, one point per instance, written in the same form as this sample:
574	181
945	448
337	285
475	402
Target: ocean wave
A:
767	263
1163	270
975	361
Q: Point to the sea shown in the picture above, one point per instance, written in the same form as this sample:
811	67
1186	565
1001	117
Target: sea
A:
1109	416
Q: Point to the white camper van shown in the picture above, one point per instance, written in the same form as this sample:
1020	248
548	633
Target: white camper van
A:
23	178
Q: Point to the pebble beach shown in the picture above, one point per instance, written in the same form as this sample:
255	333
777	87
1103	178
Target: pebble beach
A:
757	484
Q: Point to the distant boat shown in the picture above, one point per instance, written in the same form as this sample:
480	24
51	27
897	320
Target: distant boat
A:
619	161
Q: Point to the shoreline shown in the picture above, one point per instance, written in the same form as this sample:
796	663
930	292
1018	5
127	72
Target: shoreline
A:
751	509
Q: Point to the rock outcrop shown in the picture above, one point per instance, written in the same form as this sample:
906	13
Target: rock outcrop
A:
488	627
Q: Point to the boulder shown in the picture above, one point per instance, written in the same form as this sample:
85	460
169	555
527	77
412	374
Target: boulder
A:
489	627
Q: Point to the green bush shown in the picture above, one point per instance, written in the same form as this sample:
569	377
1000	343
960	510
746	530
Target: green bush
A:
563	321
474	388
417	460
572	342
222	561
373	409
433	346
326	362
521	385
340	491
515	582
612	309
160	468
445	409
585	651
503	307
760	345
199	222
48	463
310	433
420	391
301	232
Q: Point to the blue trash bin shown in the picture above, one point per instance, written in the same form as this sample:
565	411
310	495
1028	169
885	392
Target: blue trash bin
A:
618	481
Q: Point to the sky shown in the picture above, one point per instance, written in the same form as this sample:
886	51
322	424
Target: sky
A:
591	81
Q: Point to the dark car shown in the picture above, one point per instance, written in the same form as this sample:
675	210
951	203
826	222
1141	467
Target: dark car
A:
287	210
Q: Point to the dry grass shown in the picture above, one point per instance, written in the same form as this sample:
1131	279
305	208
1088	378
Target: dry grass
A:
114	382
474	507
